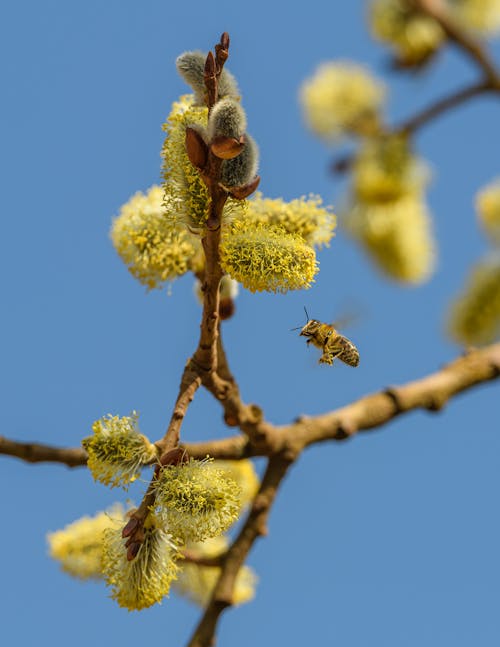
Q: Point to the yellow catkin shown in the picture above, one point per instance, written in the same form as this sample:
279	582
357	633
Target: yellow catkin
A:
185	192
197	582
482	17
117	451
413	36
342	98
148	241
488	210
475	315
196	500
385	170
266	257
306	217
243	474
397	235
146	579
78	546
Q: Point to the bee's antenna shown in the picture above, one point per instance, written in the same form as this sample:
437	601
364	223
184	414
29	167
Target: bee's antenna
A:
300	327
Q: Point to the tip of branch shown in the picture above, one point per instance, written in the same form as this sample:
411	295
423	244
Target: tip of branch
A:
210	65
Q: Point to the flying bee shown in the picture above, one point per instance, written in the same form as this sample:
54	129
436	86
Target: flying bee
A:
330	341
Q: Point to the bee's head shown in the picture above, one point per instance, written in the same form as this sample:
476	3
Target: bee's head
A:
310	328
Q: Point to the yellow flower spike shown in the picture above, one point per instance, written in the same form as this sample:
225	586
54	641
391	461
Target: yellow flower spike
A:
482	17
488	210
153	248
243	474
185	192
303	216
117	451
385	169
397	235
475	315
146	579
342	98
78	546
412	35
197	582
196	500
266	257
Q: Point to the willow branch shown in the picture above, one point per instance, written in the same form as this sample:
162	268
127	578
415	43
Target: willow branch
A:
475	50
377	409
190	382
202	560
441	106
40	453
373	411
254	527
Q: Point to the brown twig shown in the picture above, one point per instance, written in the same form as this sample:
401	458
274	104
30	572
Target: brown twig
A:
190	382
439	107
204	360
193	557
475	50
377	409
254	527
370	412
40	453
472	48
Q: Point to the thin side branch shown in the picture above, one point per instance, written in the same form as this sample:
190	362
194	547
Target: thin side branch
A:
254	527
441	106
474	49
40	453
376	410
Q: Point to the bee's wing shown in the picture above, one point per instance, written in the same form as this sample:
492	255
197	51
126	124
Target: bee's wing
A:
347	351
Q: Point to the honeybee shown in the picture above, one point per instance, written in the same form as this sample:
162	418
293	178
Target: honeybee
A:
330	341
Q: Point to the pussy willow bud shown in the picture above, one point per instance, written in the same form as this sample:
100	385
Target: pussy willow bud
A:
227	119
191	66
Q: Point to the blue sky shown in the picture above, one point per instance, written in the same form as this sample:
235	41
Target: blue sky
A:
389	539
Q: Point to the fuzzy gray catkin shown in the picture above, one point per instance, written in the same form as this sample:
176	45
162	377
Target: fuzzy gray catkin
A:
227	119
241	169
191	66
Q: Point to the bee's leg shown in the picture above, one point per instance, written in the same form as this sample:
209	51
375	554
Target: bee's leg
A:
326	358
309	341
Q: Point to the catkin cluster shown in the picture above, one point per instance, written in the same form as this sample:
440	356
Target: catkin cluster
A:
415	37
266	244
195	503
387	213
474	316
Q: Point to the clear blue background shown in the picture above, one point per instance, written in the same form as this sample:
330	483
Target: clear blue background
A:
389	539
